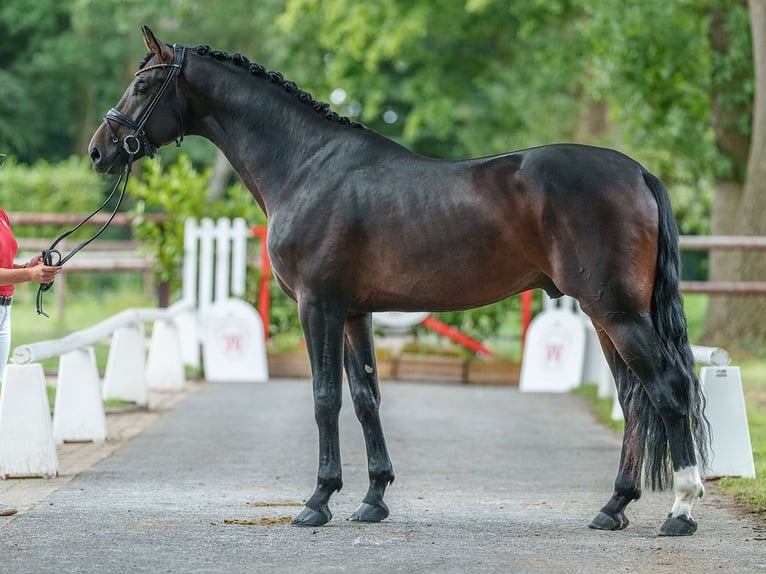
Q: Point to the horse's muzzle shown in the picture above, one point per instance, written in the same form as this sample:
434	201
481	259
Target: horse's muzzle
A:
110	162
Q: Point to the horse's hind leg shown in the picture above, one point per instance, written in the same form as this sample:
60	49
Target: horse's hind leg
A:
667	390
362	374
627	485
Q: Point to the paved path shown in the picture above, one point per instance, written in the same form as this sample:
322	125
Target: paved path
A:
488	480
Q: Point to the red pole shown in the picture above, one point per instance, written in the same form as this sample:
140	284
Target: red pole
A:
526	314
461	338
264	287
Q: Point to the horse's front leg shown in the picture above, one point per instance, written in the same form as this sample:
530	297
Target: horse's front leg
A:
362	374
323	327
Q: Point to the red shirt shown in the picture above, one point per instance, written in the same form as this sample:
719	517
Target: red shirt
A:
8	248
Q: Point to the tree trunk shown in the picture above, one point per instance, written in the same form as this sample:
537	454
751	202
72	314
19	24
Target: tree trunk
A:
748	317
222	172
730	319
722	266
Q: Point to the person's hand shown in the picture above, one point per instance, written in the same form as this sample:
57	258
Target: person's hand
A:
42	273
36	260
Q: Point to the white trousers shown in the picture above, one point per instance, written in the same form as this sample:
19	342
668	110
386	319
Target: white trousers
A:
5	337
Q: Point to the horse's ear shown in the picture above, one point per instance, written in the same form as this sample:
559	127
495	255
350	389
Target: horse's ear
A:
163	51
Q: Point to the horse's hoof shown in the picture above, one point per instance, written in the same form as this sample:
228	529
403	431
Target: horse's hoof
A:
683	525
370	513
310	517
603	521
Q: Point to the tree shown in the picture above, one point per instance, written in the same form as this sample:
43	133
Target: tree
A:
448	79
744	320
732	106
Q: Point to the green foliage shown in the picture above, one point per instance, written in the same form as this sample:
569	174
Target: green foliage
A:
179	192
646	60
463	78
69	186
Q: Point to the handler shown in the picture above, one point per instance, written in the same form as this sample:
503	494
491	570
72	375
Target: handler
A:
10	274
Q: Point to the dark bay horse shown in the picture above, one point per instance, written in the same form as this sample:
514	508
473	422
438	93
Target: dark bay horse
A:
357	224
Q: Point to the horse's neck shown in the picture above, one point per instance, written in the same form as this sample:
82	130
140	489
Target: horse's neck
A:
266	136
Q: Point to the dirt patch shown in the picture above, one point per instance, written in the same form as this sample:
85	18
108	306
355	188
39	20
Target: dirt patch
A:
259	521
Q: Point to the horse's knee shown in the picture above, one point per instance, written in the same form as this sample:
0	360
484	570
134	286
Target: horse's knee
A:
366	403
326	408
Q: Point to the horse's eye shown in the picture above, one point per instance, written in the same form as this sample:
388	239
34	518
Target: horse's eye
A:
141	88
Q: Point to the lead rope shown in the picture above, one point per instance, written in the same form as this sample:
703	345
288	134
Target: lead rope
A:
52	256
131	145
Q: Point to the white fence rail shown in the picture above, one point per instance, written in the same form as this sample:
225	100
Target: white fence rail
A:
33	352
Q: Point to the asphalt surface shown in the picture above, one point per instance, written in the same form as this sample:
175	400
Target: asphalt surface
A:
488	480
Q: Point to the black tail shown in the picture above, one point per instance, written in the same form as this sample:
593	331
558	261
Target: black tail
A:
670	322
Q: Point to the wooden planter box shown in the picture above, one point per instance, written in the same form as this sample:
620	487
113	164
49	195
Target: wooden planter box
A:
386	367
410	367
489	372
292	364
295	364
430	368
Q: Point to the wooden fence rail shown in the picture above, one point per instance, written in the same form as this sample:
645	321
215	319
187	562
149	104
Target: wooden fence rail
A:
728	243
133	262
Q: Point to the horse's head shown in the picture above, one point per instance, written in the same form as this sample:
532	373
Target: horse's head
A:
149	114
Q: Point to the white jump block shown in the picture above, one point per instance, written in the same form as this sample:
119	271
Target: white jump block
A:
79	412
731	453
27	447
188	331
554	352
595	369
617	414
233	343
125	375
164	366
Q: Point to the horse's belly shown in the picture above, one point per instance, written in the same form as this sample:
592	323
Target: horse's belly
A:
457	283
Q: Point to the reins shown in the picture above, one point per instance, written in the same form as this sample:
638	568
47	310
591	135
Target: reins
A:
131	144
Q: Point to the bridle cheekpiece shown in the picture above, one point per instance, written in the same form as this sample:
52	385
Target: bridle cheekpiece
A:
133	142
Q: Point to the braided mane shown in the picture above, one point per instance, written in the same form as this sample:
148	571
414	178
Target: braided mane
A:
260	71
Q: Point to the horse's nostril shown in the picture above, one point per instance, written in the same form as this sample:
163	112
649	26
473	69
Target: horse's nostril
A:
95	155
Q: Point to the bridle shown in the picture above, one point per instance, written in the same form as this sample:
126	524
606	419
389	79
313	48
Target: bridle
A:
131	144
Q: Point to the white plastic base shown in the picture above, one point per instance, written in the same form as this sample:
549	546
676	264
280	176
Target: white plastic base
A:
731	453
164	366
26	437
125	375
188	331
79	413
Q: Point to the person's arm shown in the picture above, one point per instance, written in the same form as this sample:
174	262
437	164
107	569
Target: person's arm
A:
33	270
